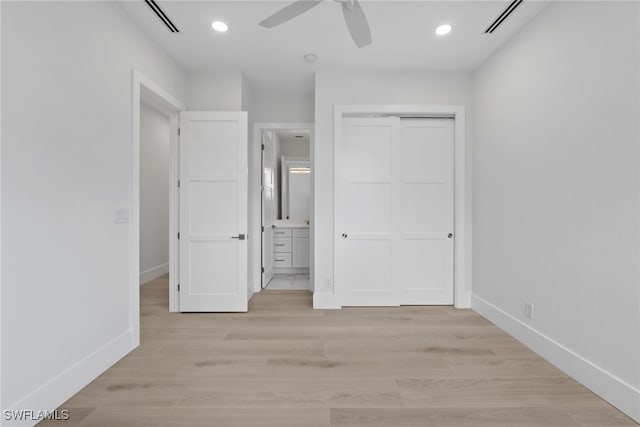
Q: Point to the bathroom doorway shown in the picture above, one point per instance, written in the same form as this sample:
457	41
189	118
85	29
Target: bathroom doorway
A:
286	207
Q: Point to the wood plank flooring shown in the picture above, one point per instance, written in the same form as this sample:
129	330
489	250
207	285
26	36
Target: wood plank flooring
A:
284	364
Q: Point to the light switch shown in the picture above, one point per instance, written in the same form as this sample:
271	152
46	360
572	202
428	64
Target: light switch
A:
121	216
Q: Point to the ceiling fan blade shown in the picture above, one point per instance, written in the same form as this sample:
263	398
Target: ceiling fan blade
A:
289	12
356	23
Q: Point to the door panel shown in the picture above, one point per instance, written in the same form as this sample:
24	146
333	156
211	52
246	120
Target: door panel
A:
420	215
367	152
424	252
213	211
205	201
365	274
210	150
368	208
204	272
363	212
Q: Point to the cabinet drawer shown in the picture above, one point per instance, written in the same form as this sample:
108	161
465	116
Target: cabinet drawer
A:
282	244
281	232
300	232
282	260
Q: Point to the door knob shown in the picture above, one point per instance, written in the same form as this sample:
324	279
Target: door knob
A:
239	237
344	235
450	235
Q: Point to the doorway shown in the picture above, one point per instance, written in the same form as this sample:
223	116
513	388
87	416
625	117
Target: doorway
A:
155	141
147	92
286	206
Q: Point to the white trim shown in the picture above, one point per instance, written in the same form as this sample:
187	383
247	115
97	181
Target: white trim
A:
1	201
326	301
68	382
617	392
153	273
258	128
462	187
145	88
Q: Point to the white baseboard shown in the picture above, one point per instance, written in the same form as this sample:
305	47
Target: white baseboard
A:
326	301
60	388
154	273
617	392
251	290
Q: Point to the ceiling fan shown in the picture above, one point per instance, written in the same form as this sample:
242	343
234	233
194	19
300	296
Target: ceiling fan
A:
353	16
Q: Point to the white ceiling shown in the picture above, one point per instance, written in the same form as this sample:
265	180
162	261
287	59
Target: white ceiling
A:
272	59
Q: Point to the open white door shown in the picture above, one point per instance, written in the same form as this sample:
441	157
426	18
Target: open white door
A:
268	213
213	211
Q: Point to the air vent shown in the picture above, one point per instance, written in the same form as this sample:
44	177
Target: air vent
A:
163	16
504	15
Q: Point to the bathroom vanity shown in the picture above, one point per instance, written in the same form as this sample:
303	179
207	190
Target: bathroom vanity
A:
290	247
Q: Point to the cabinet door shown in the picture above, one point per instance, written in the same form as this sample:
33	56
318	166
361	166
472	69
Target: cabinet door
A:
300	252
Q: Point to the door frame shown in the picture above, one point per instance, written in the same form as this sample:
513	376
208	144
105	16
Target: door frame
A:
256	220
145	89
462	182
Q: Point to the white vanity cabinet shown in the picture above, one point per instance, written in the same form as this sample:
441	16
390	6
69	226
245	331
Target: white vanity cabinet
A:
291	248
300	247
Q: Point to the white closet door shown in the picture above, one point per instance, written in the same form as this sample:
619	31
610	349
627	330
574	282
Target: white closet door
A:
268	207
364	221
423	249
213	211
394	211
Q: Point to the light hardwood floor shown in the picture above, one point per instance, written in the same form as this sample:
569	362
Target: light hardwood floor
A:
283	364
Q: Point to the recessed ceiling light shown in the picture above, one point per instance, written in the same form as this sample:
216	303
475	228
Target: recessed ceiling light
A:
219	26
443	29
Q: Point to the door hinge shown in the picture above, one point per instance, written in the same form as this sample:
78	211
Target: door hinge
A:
178	183
178	131
262	147
178	287
263	229
178	235
263	269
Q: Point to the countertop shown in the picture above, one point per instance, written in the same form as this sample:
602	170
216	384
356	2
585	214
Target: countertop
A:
280	223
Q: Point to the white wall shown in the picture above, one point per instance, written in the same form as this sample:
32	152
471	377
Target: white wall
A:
290	148
214	91
283	107
361	88
155	135
66	154
556	181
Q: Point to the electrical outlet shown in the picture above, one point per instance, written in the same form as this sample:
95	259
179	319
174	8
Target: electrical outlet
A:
328	284
528	310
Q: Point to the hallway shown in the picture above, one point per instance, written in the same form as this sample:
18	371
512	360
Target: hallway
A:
284	364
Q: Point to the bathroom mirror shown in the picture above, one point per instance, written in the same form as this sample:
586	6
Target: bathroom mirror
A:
287	191
296	189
